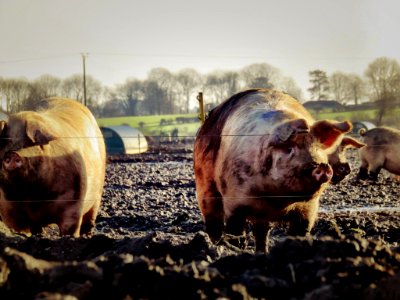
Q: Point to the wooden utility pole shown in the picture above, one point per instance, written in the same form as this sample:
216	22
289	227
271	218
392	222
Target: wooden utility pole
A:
84	55
202	116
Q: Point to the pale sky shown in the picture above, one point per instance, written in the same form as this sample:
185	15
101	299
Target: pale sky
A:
127	38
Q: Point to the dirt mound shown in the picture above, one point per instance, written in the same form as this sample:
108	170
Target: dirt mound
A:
149	244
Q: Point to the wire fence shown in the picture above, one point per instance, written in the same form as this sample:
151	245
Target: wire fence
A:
164	143
166	150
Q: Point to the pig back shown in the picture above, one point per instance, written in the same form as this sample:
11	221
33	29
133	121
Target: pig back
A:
381	136
77	133
245	117
260	111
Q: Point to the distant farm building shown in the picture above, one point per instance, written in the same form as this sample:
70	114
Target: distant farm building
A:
123	140
324	105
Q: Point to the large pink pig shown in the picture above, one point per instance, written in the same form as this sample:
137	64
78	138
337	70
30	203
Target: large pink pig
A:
52	168
260	156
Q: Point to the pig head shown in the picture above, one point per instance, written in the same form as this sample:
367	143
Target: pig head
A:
52	168
337	159
261	157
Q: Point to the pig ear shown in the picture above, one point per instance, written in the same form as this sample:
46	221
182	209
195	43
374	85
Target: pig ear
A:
351	142
283	132
329	132
37	134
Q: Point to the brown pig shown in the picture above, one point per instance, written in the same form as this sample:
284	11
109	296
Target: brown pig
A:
52	168
260	156
381	151
337	159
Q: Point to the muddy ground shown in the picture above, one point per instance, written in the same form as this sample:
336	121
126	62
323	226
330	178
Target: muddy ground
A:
149	243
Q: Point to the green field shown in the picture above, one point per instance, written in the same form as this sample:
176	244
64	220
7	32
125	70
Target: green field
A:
357	115
391	117
150	125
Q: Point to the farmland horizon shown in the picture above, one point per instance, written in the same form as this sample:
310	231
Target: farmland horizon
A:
124	39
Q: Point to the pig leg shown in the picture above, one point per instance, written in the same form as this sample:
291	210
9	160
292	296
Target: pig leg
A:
261	233
211	206
71	220
371	164
14	218
235	227
299	226
89	219
375	165
302	218
70	225
362	173
373	174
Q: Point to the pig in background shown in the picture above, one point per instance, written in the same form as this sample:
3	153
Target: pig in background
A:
260	156
52	168
337	159
381	152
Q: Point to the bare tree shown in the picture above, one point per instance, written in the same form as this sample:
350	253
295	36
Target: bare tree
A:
289	86
14	91
338	83
259	76
72	87
383	75
219	85
320	84
167	83
112	108
48	85
130	93
188	80
355	88
154	98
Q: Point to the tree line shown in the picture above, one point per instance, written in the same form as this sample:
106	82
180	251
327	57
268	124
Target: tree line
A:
166	92
162	92
381	78
380	84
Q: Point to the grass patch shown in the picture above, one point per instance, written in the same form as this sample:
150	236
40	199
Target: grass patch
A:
356	115
154	126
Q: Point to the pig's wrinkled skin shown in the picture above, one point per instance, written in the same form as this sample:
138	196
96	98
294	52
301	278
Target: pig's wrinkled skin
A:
337	159
52	168
260	156
381	152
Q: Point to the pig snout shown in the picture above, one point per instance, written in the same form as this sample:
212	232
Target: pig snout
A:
340	172
12	161
322	173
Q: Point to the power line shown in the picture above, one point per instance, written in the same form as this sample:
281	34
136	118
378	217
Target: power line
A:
183	56
36	58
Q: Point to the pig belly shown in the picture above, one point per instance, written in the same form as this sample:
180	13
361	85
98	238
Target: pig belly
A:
269	208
